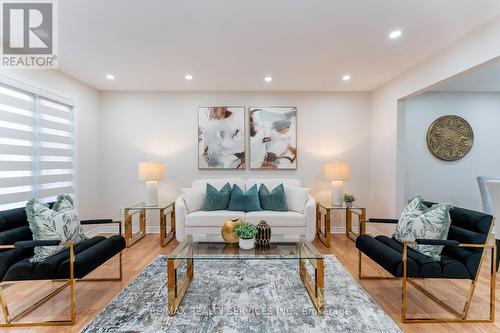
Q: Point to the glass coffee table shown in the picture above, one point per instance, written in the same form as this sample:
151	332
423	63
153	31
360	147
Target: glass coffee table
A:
189	251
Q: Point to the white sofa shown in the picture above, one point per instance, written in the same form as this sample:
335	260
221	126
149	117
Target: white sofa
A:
209	223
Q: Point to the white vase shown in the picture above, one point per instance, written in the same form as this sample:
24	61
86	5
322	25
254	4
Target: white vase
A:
247	244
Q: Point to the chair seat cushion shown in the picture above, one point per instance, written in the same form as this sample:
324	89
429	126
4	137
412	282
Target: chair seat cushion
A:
387	252
91	258
215	218
90	254
277	219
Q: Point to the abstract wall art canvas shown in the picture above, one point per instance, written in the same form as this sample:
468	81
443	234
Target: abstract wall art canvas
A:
273	137
221	137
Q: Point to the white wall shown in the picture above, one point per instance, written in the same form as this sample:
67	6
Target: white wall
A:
141	126
453	182
88	142
480	46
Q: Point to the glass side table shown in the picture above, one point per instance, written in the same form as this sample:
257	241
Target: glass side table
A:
323	232
166	235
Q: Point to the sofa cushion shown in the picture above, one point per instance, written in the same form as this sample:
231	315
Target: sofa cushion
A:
89	259
296	198
277	219
217	199
241	201
218	183
90	254
274	200
194	198
215	218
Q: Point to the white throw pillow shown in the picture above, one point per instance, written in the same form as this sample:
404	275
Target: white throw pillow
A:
194	199
296	198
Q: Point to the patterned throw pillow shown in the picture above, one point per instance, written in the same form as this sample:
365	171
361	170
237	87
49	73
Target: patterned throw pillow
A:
58	223
419	222
274	200
215	199
73	230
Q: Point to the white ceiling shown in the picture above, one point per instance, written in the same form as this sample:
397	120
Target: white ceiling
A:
232	45
483	79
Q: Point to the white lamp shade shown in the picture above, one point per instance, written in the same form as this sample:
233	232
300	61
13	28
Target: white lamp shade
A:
151	171
337	171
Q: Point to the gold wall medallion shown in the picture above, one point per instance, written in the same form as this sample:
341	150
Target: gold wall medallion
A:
228	233
450	138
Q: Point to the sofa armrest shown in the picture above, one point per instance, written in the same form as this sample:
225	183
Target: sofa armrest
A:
103	221
35	243
310	214
180	217
445	242
362	224
379	220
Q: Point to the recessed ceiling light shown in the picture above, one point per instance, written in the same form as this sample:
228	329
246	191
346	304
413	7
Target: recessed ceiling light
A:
268	79
188	77
110	76
395	34
346	77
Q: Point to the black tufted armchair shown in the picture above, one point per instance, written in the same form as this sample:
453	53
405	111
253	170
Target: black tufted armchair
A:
462	257
70	265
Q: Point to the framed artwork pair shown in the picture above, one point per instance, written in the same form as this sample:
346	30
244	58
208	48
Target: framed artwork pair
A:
272	137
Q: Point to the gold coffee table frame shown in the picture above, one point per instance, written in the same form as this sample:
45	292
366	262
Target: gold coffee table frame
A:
140	209
303	251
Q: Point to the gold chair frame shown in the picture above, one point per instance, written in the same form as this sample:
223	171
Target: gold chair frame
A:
11	321
459	317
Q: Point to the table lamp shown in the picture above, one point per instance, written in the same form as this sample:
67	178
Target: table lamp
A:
337	172
151	172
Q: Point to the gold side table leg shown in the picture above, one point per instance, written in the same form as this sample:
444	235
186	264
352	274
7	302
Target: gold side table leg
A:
348	222
323	235
166	237
361	216
127	218
130	238
163	227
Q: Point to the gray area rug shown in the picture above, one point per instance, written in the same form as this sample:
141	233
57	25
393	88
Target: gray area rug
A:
243	296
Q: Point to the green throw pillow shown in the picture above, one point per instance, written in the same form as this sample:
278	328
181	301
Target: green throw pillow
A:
247	202
419	222
274	200
59	223
73	230
215	199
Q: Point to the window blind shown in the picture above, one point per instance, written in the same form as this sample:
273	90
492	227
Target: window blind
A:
36	148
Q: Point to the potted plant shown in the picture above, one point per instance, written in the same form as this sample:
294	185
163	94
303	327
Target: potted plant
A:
349	200
247	233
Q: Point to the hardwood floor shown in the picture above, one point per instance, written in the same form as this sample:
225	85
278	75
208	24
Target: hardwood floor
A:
91	297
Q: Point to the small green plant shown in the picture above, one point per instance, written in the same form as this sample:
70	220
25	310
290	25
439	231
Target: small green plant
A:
349	198
246	231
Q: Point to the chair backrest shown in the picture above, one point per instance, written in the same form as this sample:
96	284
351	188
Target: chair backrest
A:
13	228
467	227
494	193
485	193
